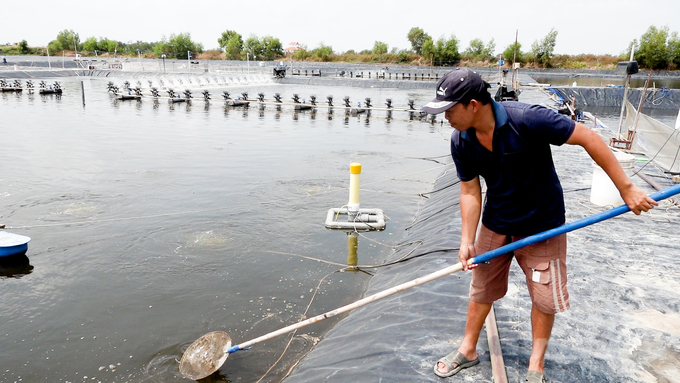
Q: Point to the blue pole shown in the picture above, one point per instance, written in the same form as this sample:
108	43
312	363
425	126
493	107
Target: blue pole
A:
599	217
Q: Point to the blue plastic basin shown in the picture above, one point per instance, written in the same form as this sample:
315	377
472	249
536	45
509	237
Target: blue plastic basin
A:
11	244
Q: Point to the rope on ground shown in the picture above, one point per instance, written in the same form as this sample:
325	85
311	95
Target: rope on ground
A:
665	93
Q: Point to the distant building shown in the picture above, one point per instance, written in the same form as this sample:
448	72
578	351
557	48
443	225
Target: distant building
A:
293	47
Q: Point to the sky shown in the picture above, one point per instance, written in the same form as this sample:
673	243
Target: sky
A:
584	26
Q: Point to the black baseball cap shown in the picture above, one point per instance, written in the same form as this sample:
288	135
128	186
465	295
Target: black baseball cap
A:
453	87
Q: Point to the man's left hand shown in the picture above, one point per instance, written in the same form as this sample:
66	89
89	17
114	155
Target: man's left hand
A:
637	200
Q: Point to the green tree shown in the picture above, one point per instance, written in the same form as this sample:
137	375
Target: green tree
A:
416	36
475	49
90	45
404	55
302	53
428	50
53	47
253	47
479	51
67	40
103	44
23	47
490	51
234	48
674	50
542	51
653	52
137	47
163	48
513	51
442	52
323	52
271	48
380	48
224	38
107	45
446	51
232	43
177	46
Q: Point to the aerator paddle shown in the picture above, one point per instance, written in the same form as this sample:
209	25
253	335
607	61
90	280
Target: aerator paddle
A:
209	352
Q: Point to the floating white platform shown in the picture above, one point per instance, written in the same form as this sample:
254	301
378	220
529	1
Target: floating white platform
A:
364	220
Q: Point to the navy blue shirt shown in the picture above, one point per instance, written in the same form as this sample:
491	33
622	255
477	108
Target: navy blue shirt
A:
524	195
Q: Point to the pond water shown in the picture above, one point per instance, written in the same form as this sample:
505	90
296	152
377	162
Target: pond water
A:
153	224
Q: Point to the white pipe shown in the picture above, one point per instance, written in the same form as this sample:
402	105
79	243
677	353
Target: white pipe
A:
354	174
360	211
363	219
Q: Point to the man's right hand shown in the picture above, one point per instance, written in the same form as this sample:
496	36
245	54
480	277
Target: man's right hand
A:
466	252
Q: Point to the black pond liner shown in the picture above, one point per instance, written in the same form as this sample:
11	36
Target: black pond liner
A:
603	97
623	326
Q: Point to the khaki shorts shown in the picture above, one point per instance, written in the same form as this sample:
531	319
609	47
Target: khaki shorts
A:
544	265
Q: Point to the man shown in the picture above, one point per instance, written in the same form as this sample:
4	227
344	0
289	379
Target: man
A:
508	144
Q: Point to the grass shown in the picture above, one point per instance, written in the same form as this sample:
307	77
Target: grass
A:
13	50
211	55
585	61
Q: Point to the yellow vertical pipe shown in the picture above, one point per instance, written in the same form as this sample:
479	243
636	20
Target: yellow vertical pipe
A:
354	173
352	244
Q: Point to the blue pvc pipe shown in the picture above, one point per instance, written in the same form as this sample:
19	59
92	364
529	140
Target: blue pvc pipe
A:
599	217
